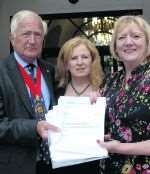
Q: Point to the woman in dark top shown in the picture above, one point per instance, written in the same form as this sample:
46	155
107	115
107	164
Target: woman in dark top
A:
79	73
128	99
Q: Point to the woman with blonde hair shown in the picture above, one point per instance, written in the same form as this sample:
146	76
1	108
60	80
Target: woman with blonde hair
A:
128	101
79	73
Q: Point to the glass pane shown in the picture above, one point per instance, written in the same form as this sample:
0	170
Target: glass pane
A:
99	29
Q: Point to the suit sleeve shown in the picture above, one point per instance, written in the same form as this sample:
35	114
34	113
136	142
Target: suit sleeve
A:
16	127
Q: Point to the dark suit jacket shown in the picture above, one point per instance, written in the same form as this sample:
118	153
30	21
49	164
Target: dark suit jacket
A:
18	137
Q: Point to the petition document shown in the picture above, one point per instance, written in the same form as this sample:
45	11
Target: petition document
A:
81	124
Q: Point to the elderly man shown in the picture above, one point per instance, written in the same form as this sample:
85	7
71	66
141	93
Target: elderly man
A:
24	99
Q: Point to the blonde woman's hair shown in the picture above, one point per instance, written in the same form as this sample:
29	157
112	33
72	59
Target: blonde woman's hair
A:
62	74
124	21
19	16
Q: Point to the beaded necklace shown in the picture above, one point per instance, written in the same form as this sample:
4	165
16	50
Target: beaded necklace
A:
79	93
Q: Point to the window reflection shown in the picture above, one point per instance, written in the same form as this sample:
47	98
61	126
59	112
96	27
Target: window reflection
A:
99	29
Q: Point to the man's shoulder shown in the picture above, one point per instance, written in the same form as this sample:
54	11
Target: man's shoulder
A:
46	64
4	60
6	63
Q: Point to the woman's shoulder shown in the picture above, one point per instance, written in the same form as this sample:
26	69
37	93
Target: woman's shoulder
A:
111	77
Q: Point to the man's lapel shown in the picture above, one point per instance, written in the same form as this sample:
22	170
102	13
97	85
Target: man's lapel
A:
48	74
19	84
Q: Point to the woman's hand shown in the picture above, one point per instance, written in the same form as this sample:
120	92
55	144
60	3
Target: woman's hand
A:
111	146
94	95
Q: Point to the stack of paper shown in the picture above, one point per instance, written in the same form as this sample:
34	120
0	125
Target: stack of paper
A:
81	124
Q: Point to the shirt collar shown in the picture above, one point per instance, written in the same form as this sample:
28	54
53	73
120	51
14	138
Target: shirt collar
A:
22	62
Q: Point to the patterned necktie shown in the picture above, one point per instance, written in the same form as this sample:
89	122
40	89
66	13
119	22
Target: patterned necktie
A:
40	111
30	68
40	114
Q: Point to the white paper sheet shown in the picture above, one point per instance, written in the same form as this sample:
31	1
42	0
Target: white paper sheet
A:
81	124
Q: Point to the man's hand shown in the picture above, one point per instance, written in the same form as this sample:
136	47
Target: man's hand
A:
43	127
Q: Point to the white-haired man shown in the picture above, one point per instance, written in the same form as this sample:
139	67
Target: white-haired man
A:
21	131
